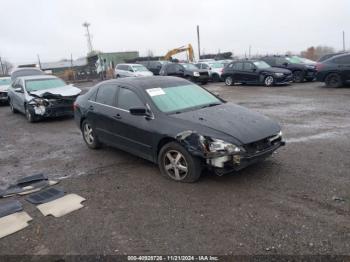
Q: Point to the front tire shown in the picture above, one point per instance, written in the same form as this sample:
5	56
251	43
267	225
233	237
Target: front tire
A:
29	115
89	136
269	81
216	78
298	76
176	163
333	80
229	81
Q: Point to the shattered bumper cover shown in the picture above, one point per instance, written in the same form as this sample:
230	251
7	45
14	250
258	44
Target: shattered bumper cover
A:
53	109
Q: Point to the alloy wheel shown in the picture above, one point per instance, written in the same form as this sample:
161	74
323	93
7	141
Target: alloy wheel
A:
88	134
175	165
228	81
269	81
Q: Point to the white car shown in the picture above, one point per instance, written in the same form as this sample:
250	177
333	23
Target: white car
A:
131	70
5	82
214	68
42	96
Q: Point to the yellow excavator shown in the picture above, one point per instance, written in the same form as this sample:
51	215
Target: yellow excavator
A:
188	49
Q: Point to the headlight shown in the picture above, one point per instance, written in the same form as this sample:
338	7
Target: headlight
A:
39	102
219	145
279	74
196	74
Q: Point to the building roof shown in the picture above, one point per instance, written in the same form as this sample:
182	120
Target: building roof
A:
64	64
34	77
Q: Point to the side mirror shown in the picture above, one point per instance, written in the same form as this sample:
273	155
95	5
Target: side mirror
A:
254	69
130	70
285	64
18	90
138	111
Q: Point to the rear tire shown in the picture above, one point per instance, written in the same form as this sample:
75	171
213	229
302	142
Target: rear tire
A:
204	82
298	76
176	163
13	110
229	81
89	136
333	80
216	78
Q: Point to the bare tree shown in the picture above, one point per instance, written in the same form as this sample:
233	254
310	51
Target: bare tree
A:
314	53
5	67
150	53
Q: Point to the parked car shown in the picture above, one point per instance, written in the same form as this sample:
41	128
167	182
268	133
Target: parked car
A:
300	70
25	71
185	70
5	82
41	96
154	66
335	71
255	72
307	61
175	123
327	56
214	69
131	70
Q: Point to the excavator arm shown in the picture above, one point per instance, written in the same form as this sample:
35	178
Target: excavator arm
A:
181	49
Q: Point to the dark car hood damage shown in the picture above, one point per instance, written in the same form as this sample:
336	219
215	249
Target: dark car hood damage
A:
242	124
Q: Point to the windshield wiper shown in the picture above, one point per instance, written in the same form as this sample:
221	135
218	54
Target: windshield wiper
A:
210	105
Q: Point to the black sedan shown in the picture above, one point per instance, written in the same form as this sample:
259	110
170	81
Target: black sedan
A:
255	72
185	70
175	123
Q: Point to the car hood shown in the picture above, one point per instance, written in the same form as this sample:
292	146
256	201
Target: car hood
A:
63	91
277	70
4	88
235	121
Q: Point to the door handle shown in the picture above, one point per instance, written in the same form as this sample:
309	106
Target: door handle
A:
117	116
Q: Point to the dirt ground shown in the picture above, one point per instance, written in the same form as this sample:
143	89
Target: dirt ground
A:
297	202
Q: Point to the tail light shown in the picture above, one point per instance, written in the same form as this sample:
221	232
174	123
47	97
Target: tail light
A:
75	105
319	66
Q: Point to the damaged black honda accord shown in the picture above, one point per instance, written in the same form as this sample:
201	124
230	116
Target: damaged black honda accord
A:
175	123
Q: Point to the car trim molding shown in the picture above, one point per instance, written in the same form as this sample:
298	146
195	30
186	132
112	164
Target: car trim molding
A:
121	109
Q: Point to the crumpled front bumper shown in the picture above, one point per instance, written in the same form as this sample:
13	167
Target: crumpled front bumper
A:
3	97
236	162
51	111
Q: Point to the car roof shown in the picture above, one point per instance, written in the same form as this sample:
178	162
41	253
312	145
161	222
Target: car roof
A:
34	77
131	64
147	82
336	56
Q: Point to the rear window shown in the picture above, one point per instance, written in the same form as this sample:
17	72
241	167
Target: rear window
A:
42	84
216	65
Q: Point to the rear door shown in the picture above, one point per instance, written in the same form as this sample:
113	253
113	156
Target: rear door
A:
250	75
135	132
237	72
343	64
102	112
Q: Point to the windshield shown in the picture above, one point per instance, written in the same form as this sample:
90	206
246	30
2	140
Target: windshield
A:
261	64
190	66
216	65
181	98
42	84
139	68
294	60
5	81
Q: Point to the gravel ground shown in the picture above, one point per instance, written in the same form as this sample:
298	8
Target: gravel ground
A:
297	202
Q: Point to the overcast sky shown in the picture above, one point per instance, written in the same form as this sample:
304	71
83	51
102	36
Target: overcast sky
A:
53	29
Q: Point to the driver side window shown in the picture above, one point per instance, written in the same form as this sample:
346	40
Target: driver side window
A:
128	99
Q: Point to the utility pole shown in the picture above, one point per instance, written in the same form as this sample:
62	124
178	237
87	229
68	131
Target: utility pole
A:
199	43
2	67
39	62
250	51
343	40
86	25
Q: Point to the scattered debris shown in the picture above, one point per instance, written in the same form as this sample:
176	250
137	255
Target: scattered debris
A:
11	219
28	185
339	199
62	206
45	196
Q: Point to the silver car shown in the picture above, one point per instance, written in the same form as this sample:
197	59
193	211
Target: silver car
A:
42	96
131	70
5	82
214	68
